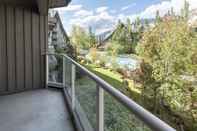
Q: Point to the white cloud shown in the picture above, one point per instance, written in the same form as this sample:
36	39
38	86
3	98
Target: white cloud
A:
101	9
128	6
113	11
70	8
103	19
92	19
193	4
83	13
165	6
100	21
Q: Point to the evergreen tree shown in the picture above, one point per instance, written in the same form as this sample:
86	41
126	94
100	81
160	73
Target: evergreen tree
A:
146	23
129	26
158	18
185	10
92	38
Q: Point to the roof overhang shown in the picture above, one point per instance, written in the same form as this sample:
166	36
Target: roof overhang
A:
41	6
44	5
58	3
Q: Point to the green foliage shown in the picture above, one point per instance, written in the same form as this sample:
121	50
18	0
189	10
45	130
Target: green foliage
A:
185	10
124	39
169	51
158	18
82	39
117	117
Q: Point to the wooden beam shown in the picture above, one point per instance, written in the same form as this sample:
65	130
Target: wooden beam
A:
43	6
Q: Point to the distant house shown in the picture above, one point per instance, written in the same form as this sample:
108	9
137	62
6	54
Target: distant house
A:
57	36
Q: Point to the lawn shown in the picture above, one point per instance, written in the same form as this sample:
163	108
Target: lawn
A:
117	117
116	80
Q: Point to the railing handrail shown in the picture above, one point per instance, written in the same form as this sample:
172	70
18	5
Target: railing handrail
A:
148	118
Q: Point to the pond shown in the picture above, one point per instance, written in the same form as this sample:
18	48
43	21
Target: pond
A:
126	61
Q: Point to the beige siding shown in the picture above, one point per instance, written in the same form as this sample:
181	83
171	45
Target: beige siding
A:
3	51
22	41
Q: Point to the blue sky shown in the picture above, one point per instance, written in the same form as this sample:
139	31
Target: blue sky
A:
102	15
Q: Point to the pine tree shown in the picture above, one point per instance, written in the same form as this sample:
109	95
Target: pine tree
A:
146	23
158	18
185	10
92	38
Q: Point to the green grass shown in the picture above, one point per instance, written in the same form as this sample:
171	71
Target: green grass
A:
115	79
111	77
117	116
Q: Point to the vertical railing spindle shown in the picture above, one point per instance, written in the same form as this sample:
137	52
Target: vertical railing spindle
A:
100	109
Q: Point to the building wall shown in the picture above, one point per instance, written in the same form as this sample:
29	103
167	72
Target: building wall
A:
61	39
57	35
23	40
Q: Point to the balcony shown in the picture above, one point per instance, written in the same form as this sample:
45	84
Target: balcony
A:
94	104
37	110
74	99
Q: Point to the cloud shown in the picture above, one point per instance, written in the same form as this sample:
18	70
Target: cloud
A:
165	6
113	11
70	8
100	21
103	18
83	13
101	9
92	19
128	6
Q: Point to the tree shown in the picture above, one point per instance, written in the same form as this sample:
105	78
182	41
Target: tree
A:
185	10
172	13
81	39
158	18
129	26
169	50
146	23
92	38
122	39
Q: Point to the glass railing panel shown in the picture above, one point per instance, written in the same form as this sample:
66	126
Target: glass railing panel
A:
85	103
119	118
68	72
67	77
55	69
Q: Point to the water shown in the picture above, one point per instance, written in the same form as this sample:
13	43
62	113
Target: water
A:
124	61
127	62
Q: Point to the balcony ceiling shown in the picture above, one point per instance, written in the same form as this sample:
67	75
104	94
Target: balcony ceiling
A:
24	3
58	3
40	5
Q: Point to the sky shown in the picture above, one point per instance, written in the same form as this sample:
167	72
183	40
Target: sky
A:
103	15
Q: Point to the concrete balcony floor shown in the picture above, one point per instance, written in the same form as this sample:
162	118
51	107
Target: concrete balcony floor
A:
37	110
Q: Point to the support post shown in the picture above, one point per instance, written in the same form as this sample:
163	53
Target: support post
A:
73	85
100	109
47	71
64	72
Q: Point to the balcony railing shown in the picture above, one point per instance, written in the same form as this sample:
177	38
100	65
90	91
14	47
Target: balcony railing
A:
95	104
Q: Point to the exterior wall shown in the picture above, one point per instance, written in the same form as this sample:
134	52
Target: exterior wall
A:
56	35
61	39
23	40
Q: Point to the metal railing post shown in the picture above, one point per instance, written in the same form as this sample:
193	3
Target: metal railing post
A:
64	72
73	85
100	109
47	71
